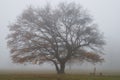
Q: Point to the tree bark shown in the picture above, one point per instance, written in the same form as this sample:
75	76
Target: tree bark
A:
61	69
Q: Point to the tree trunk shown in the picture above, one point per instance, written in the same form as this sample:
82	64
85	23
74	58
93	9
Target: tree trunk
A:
61	69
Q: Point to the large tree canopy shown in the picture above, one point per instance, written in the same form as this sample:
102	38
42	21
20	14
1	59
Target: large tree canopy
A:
57	35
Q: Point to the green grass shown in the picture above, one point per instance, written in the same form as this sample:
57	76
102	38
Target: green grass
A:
55	77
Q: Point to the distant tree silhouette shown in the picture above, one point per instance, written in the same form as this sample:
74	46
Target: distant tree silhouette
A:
59	35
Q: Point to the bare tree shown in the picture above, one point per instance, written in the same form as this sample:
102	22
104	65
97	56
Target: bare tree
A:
57	35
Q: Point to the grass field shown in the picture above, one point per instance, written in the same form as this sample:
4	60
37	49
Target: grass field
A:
55	77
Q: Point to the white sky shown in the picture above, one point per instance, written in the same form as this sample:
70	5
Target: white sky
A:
106	13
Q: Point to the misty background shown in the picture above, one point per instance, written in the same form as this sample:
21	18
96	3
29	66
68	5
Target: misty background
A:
106	13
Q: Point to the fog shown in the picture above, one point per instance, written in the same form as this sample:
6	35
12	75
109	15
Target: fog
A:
106	14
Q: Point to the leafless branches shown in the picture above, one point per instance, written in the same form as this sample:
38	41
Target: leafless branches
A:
57	35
